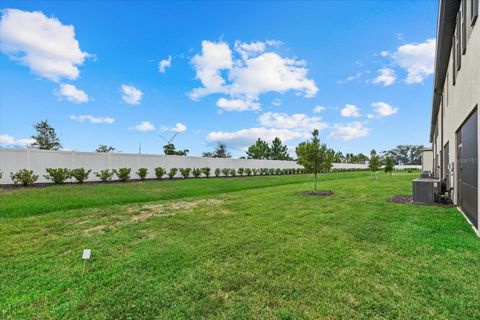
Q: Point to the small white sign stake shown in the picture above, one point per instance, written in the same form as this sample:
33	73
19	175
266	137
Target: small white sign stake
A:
85	257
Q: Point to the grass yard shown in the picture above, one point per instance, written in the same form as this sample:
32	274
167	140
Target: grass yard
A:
242	248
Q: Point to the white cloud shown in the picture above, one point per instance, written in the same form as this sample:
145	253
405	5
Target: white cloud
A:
43	44
164	64
8	140
179	127
277	102
384	53
299	121
349	131
237	104
384	109
417	59
130	94
356	76
318	109
72	93
286	127
350	111
92	119
249	73
386	76
145	126
370	116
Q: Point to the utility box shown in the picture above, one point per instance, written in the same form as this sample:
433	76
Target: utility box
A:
426	190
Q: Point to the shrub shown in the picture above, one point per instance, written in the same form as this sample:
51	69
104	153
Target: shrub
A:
57	175
172	173
185	172
196	172
105	175
217	172
123	174
1	174
278	171
233	172
271	171
159	172
248	171
142	173
225	172
80	174
255	171
24	177
241	171
206	171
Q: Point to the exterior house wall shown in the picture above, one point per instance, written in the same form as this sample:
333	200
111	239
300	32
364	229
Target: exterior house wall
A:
459	101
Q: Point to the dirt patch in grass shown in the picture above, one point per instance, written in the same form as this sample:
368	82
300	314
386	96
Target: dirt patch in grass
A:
321	193
409	200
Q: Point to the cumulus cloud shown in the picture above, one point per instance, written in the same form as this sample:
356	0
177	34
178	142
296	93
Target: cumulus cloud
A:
416	59
349	131
248	72
92	119
130	94
45	45
386	77
179	127
383	109
350	111
286	127
318	109
164	64
237	104
145	126
71	93
7	140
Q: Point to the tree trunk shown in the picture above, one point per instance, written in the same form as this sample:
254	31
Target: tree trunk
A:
315	182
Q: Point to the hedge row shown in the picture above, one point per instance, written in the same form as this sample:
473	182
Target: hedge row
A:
61	175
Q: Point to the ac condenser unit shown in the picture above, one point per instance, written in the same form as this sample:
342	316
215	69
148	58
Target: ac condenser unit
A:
426	190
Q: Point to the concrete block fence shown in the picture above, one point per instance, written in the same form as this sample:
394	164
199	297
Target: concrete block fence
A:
12	160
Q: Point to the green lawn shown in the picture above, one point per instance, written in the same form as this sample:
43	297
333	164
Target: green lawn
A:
243	248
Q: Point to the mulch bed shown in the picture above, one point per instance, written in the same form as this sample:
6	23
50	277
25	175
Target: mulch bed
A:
317	193
409	200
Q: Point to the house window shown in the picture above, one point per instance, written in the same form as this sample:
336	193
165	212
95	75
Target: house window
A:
473	11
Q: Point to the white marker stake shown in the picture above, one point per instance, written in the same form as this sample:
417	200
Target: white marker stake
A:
85	257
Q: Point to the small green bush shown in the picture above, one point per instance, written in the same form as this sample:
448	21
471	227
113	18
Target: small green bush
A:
255	171
265	171
233	172
1	174
80	174
241	171
225	172
206	171
159	172
142	173
105	175
24	177
57	175
271	171
185	172
172	173
217	172
248	171
196	172
123	174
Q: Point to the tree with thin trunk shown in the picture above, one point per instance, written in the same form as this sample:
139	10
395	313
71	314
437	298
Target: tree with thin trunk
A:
314	156
46	137
374	162
389	164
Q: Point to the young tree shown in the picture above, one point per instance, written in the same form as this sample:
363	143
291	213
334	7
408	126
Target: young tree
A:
46	137
259	150
220	151
313	156
374	163
278	151
169	149
389	164
103	148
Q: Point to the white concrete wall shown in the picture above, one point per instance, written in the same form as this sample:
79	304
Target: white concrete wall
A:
427	160
12	160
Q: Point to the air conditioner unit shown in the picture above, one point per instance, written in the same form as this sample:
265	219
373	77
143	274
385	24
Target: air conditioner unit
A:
426	190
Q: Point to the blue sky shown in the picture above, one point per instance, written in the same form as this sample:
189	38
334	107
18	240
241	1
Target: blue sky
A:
232	72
